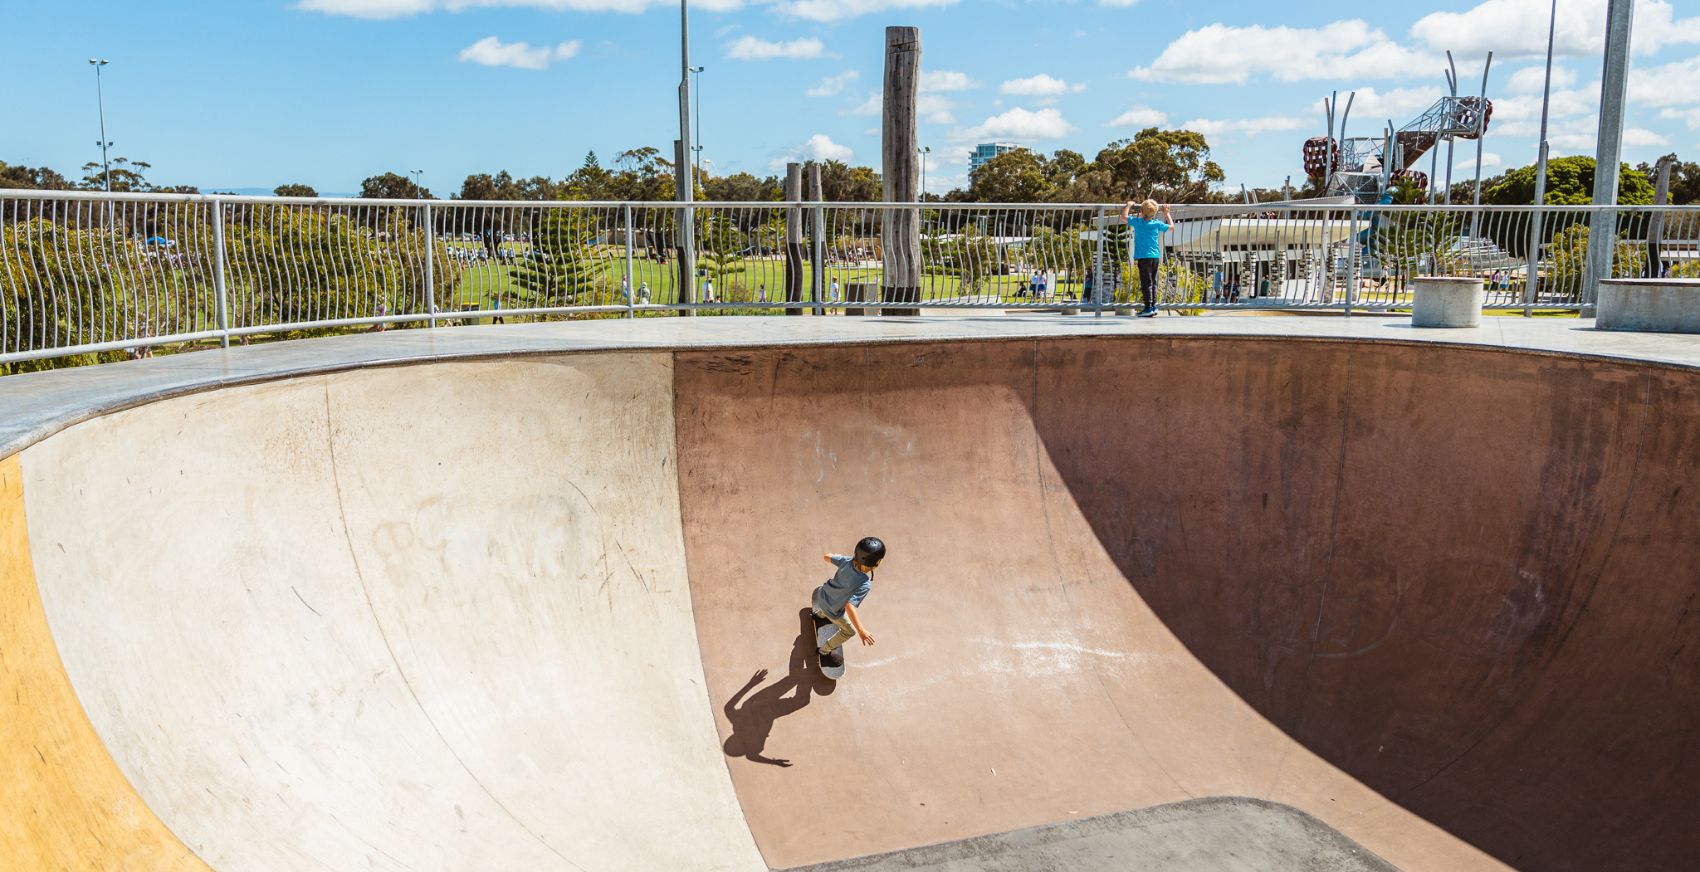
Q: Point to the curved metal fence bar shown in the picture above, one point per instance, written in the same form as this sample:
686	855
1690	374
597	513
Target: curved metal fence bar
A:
89	275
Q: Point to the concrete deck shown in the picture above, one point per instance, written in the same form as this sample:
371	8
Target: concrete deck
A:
34	405
1222	834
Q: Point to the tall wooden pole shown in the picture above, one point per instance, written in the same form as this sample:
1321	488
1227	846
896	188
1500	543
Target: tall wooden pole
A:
794	247
1656	224
901	228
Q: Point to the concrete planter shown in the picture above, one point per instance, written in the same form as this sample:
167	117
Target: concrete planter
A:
1649	305
1447	301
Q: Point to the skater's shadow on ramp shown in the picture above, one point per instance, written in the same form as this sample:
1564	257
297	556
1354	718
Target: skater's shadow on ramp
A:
752	715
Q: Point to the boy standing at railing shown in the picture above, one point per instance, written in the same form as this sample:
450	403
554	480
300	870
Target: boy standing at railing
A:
1147	248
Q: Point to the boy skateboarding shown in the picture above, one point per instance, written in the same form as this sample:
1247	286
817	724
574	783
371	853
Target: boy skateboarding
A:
835	602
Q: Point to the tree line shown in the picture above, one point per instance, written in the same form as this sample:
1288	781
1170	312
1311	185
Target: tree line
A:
1169	165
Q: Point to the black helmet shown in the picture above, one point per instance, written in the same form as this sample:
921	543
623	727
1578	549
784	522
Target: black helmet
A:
869	552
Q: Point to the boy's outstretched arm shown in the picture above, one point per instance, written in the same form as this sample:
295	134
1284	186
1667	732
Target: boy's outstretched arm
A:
828	558
856	621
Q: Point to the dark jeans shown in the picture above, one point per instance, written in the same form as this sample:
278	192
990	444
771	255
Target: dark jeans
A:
1148	280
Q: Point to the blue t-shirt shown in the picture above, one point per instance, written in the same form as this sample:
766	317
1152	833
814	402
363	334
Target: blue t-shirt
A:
1147	237
847	585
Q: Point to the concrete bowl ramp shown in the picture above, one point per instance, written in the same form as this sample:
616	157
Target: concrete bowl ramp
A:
1152	602
413	618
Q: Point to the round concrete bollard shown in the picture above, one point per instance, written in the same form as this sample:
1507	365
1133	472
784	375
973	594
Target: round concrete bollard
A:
1447	301
1650	305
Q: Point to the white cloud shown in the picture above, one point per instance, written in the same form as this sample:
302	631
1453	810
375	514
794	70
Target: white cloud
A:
1376	107
1691	117
819	147
1042	85
934	109
839	10
1117	3
1517	28
1141	117
1585	137
832	86
1521	115
1672	84
492	52
749	48
1019	124
407	8
1577	130
1530	80
1246	126
1220	54
930	108
945	81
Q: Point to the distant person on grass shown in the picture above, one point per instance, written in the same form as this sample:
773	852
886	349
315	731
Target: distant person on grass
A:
835	601
1147	248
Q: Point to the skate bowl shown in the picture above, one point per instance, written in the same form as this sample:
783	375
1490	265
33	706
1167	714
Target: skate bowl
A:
1354	600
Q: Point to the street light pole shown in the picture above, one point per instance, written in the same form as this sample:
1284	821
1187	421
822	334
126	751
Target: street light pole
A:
925	150
1532	279
1614	87
100	104
418	176
697	148
686	192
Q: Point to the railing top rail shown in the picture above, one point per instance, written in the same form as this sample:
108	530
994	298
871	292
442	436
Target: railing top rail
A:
1183	209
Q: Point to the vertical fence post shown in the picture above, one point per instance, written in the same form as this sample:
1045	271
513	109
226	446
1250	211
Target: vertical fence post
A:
1531	281
221	302
631	278
819	263
430	271
1098	263
1351	262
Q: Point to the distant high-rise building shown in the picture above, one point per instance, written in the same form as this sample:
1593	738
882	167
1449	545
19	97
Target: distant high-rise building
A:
985	151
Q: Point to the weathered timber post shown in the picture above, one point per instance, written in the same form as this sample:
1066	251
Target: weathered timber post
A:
794	247
901	228
817	238
1656	222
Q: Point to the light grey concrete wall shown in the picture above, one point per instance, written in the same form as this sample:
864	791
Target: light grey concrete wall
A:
1650	305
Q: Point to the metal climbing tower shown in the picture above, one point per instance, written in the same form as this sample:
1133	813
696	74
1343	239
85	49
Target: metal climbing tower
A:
1365	167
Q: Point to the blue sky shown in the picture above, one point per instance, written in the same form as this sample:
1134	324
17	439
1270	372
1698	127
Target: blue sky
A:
326	92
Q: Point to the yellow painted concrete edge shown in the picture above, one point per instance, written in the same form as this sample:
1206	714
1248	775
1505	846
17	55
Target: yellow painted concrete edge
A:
63	802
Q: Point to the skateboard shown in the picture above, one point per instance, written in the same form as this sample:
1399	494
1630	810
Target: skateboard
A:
825	630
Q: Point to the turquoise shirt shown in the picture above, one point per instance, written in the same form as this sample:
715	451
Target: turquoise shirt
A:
1147	237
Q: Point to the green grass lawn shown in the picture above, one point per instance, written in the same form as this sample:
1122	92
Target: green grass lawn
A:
478	284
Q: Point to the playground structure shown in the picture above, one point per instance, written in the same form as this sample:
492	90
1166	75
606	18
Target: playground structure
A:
1366	167
1369	168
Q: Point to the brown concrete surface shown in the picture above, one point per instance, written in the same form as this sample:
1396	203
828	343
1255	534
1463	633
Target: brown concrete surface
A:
1441	599
63	802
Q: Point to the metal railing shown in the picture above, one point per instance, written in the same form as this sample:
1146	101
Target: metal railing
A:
92	274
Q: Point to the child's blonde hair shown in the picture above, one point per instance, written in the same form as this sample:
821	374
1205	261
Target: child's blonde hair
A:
1148	209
